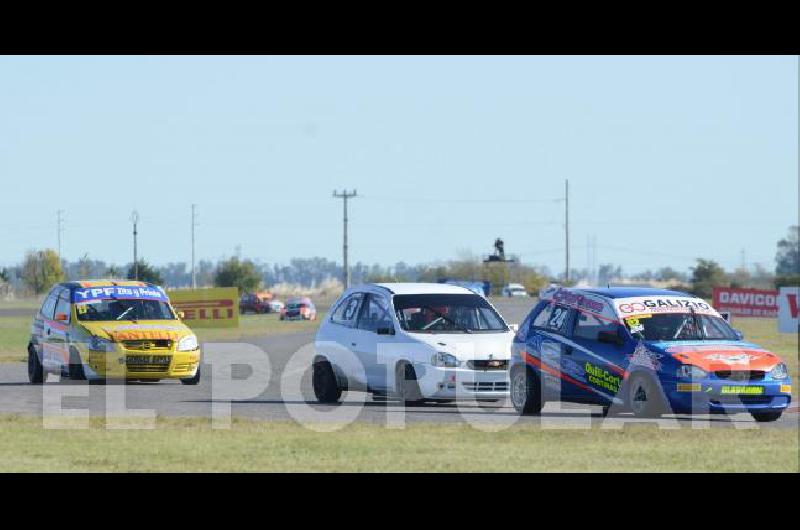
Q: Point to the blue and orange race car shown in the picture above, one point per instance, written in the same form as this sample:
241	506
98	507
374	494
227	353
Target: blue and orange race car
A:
647	351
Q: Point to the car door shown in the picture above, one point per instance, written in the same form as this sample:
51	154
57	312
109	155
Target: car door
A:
51	355
549	343
338	340
372	348
602	360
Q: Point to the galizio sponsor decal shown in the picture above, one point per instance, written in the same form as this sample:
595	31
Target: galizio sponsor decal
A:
662	305
746	302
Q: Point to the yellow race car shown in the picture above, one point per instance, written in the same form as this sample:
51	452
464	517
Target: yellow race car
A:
109	329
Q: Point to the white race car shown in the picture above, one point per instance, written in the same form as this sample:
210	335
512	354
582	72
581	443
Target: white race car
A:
413	341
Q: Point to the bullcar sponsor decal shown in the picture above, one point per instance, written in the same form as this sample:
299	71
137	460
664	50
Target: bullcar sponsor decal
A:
602	378
667	304
595	306
82	296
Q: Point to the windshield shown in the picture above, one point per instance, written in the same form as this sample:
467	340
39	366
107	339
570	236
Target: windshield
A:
295	306
109	310
679	326
447	313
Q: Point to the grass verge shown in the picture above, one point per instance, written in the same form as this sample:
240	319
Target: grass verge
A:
191	445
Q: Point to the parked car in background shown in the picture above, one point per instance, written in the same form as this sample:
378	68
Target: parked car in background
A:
299	309
255	303
276	306
514	289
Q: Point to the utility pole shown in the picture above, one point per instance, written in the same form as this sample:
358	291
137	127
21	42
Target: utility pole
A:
135	221
60	231
566	227
194	222
344	196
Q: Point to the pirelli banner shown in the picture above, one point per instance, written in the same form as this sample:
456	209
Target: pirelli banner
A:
207	308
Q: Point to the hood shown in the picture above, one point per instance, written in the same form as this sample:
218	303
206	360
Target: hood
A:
713	356
140	330
469	346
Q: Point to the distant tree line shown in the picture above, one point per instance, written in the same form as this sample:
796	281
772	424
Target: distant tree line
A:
42	268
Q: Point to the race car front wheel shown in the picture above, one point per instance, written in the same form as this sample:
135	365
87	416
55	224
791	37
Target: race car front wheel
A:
323	379
406	384
35	368
763	417
644	398
192	380
526	394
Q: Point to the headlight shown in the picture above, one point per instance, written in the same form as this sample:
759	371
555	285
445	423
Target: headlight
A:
689	371
188	343
100	344
441	358
779	372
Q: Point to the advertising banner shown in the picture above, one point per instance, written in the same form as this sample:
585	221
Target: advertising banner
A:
759	303
208	308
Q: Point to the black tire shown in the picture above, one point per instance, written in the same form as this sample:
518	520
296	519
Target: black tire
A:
36	373
406	385
195	380
526	392
765	417
326	387
644	397
75	370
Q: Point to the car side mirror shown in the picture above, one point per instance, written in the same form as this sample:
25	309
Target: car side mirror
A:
610	337
181	315
385	331
61	317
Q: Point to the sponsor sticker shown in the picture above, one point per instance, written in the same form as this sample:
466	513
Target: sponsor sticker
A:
748	390
786	389
689	387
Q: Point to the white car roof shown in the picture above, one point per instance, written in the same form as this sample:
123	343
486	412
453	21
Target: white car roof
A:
424	288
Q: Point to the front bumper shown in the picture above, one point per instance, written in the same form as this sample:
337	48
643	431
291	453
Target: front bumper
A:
713	395
461	383
120	363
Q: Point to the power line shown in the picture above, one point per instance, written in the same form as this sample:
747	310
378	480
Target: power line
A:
345	196
60	230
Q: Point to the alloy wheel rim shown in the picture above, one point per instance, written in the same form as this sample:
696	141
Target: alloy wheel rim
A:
519	389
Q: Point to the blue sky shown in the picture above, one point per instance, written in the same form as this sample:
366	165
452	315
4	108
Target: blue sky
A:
669	158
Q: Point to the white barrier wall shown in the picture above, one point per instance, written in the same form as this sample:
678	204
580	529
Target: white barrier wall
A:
788	303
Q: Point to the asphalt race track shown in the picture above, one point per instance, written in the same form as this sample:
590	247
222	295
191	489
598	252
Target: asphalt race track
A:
170	398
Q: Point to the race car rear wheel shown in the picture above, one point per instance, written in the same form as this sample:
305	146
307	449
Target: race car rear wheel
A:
763	417
644	397
406	385
526	394
323	379
35	369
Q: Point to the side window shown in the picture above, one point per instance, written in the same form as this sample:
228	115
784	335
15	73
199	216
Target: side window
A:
62	305
543	317
49	305
553	318
345	313
375	314
587	326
